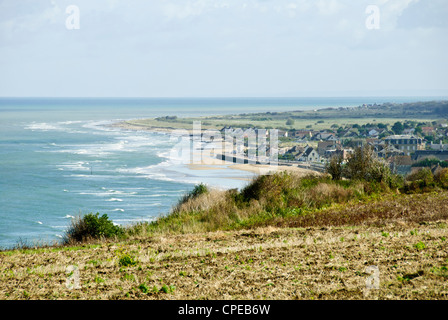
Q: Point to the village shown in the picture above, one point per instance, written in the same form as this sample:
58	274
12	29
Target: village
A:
406	145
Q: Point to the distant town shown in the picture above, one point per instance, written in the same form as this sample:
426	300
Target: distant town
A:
405	145
408	135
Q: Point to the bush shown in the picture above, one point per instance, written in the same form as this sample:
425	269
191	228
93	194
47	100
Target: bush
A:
197	191
92	226
423	175
334	167
421	180
126	260
364	165
441	178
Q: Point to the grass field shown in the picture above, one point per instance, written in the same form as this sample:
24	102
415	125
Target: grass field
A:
295	258
218	124
319	119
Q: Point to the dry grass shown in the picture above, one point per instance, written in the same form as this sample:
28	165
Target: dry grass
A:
301	258
266	198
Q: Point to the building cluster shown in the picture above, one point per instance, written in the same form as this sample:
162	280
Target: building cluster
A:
401	150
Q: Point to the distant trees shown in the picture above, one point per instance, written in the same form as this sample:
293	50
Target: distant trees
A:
398	127
290	122
418	130
167	118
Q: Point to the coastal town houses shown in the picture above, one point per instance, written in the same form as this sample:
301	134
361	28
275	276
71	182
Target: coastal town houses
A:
400	164
374	133
405	143
344	152
324	146
301	135
438	146
295	151
387	151
325	136
427	131
309	155
409	131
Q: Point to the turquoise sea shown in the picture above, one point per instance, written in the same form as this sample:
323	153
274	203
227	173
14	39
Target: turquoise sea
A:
59	159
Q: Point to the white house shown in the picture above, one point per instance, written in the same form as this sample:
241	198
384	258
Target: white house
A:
309	155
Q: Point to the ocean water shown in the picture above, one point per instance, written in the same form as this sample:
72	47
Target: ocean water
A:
59	159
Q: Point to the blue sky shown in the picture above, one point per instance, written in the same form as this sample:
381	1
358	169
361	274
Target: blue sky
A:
223	48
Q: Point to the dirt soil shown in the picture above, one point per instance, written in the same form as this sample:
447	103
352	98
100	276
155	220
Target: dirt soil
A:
265	263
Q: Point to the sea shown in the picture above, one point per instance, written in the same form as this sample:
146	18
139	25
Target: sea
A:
60	158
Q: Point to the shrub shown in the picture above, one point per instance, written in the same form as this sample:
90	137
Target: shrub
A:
420	245
91	226
143	288
126	261
363	164
420	180
334	167
197	191
396	181
441	178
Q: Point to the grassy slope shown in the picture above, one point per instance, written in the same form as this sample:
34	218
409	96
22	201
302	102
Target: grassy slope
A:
307	258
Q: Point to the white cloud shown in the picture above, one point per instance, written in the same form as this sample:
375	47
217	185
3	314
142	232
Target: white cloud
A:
225	47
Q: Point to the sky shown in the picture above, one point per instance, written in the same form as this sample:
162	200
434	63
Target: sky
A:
223	48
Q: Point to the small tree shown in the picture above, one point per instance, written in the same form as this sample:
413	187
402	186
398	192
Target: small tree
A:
290	122
335	167
398	127
363	164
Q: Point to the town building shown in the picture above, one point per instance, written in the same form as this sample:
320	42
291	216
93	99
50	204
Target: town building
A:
408	144
309	155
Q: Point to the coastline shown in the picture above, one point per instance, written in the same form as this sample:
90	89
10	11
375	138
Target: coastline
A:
212	164
128	126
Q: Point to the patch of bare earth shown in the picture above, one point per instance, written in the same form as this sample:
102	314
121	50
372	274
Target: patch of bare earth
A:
406	239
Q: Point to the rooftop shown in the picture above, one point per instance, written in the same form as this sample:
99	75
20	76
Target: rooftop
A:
402	136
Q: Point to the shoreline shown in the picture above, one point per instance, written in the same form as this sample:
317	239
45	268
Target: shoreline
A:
124	124
211	164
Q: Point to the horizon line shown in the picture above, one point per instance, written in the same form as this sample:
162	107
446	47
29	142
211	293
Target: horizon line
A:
223	97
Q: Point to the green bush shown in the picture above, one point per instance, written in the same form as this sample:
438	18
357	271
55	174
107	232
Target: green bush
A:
364	165
144	288
419	181
441	178
92	226
335	167
197	191
126	261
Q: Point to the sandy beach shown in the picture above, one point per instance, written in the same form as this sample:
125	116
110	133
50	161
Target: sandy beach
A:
211	163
